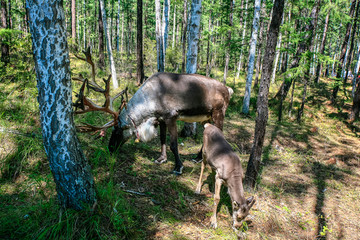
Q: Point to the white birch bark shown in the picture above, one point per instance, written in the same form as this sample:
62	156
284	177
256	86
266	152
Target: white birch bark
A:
108	45
242	41
159	38
192	52
174	25
250	69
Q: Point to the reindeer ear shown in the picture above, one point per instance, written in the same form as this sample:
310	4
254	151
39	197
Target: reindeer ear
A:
250	201
236	205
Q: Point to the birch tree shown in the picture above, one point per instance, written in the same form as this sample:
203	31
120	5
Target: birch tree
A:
159	38
72	174
108	45
250	68
192	53
139	44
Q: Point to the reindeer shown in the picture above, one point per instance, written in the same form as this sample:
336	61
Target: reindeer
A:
218	153
165	98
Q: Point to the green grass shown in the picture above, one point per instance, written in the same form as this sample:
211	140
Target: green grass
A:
312	195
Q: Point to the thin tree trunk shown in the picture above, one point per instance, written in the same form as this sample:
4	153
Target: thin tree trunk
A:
139	45
278	45
253	167
101	63
5	48
259	53
84	25
242	41
343	53
174	28
354	29
108	45
72	173
355	109
184	37
159	38
304	46
322	47
250	71
73	20
208	60
118	28
228	45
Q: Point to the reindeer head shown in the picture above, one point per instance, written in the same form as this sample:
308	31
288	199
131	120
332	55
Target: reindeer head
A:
240	211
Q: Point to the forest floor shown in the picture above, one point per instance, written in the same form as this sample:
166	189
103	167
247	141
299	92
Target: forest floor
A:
309	187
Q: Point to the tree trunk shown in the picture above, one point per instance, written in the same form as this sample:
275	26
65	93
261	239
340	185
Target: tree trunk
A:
242	41
351	44
250	71
165	25
101	63
184	23
259	53
139	45
108	45
72	174
343	53
73	20
5	48
159	38
355	109
304	46
174	28
322	47
253	167
228	45
278	45
192	54
118	28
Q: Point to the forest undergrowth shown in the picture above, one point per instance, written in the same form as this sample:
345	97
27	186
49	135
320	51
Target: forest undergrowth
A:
309	186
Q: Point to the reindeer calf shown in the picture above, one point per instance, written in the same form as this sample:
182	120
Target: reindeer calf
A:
218	153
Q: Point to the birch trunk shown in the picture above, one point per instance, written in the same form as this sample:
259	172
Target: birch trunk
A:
192	53
159	38
228	45
242	41
250	71
72	173
108	45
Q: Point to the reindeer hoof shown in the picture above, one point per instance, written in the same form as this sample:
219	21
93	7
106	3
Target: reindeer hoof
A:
178	171
160	160
197	160
213	224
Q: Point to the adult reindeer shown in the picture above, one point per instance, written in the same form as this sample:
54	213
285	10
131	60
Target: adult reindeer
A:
165	98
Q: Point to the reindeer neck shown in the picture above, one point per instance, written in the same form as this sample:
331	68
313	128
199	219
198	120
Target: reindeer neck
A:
236	189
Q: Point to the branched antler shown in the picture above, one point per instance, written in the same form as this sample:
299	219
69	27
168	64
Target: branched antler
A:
86	105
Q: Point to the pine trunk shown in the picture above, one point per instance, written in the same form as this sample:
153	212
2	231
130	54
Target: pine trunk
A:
343	53
139	44
72	174
101	63
253	167
5	48
73	20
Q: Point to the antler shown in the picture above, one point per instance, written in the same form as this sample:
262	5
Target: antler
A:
86	105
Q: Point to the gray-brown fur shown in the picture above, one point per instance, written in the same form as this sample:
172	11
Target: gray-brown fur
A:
170	97
218	153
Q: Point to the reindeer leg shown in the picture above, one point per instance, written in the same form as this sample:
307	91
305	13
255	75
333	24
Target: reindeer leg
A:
171	124
199	157
218	118
218	183
198	188
163	156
